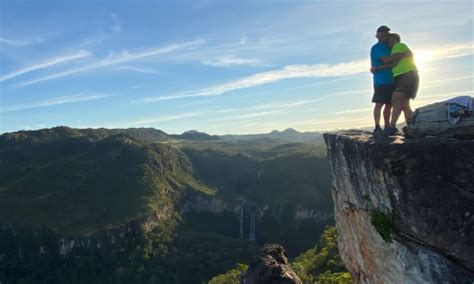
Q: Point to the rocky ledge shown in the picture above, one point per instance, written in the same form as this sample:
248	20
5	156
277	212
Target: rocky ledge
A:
404	208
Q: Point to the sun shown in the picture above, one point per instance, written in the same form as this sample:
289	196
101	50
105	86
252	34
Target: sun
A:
422	57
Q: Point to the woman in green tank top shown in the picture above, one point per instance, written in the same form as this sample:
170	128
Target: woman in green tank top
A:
405	81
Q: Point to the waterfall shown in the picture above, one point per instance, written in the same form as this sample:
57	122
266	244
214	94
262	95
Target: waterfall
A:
242	222
252	227
253	212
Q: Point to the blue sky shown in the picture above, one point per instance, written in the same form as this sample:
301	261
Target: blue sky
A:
217	66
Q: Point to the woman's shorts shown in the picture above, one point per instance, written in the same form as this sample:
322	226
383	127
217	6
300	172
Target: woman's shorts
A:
382	94
407	84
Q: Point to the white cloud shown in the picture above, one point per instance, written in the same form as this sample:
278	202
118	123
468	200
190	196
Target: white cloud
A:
288	72
17	42
48	63
330	124
308	71
140	70
349	111
122	57
115	26
82	97
452	50
443	81
259	114
439	97
230	60
349	93
271	106
267	109
156	119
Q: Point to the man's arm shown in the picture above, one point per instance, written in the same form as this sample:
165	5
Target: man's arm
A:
394	58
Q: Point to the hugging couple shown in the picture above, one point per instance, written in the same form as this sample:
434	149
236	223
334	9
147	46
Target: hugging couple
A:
395	80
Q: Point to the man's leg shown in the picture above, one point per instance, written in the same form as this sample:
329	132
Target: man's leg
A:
377	111
397	101
407	110
386	115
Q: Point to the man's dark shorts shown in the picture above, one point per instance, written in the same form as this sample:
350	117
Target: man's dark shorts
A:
407	84
383	94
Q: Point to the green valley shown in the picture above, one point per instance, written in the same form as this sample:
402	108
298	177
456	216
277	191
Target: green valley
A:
121	205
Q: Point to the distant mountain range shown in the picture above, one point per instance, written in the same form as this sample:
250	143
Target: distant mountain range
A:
288	135
155	135
196	136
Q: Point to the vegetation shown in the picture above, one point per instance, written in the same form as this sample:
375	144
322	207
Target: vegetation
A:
384	223
88	186
230	277
321	264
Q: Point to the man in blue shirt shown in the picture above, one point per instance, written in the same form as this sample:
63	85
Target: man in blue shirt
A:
383	86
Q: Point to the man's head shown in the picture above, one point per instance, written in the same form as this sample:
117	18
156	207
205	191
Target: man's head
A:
382	34
393	39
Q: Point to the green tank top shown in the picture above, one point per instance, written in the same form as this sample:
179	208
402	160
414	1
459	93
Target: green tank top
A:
406	64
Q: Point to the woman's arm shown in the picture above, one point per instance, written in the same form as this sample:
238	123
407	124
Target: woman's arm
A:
394	58
383	67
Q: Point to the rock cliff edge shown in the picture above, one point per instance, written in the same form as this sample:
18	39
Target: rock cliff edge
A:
404	208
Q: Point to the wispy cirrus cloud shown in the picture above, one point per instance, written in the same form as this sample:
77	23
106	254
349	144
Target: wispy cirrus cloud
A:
231	60
288	72
270	106
333	123
48	63
140	70
349	111
157	119
19	42
115	26
308	71
439	97
452	50
225	114
443	81
122	57
82	97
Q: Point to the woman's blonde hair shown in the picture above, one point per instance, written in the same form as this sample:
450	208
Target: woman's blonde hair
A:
396	36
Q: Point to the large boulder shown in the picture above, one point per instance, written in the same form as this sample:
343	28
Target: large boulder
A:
432	120
270	267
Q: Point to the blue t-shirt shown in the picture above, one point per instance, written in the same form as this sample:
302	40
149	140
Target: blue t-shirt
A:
383	77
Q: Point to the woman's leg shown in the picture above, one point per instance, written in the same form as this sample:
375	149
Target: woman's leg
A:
397	104
407	110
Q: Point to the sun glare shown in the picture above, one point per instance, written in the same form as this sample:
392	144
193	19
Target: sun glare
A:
422	57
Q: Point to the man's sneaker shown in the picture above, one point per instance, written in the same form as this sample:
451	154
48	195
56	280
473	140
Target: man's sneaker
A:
378	131
390	131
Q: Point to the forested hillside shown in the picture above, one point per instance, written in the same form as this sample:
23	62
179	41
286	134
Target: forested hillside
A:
138	204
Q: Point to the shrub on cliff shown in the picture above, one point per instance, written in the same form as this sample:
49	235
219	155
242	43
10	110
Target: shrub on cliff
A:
322	264
230	277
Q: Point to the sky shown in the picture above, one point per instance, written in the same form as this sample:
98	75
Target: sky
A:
221	67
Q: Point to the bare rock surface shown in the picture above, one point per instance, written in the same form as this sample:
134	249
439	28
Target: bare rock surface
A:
426	185
271	267
433	120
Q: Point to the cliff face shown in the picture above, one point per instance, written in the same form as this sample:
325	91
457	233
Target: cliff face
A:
418	193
